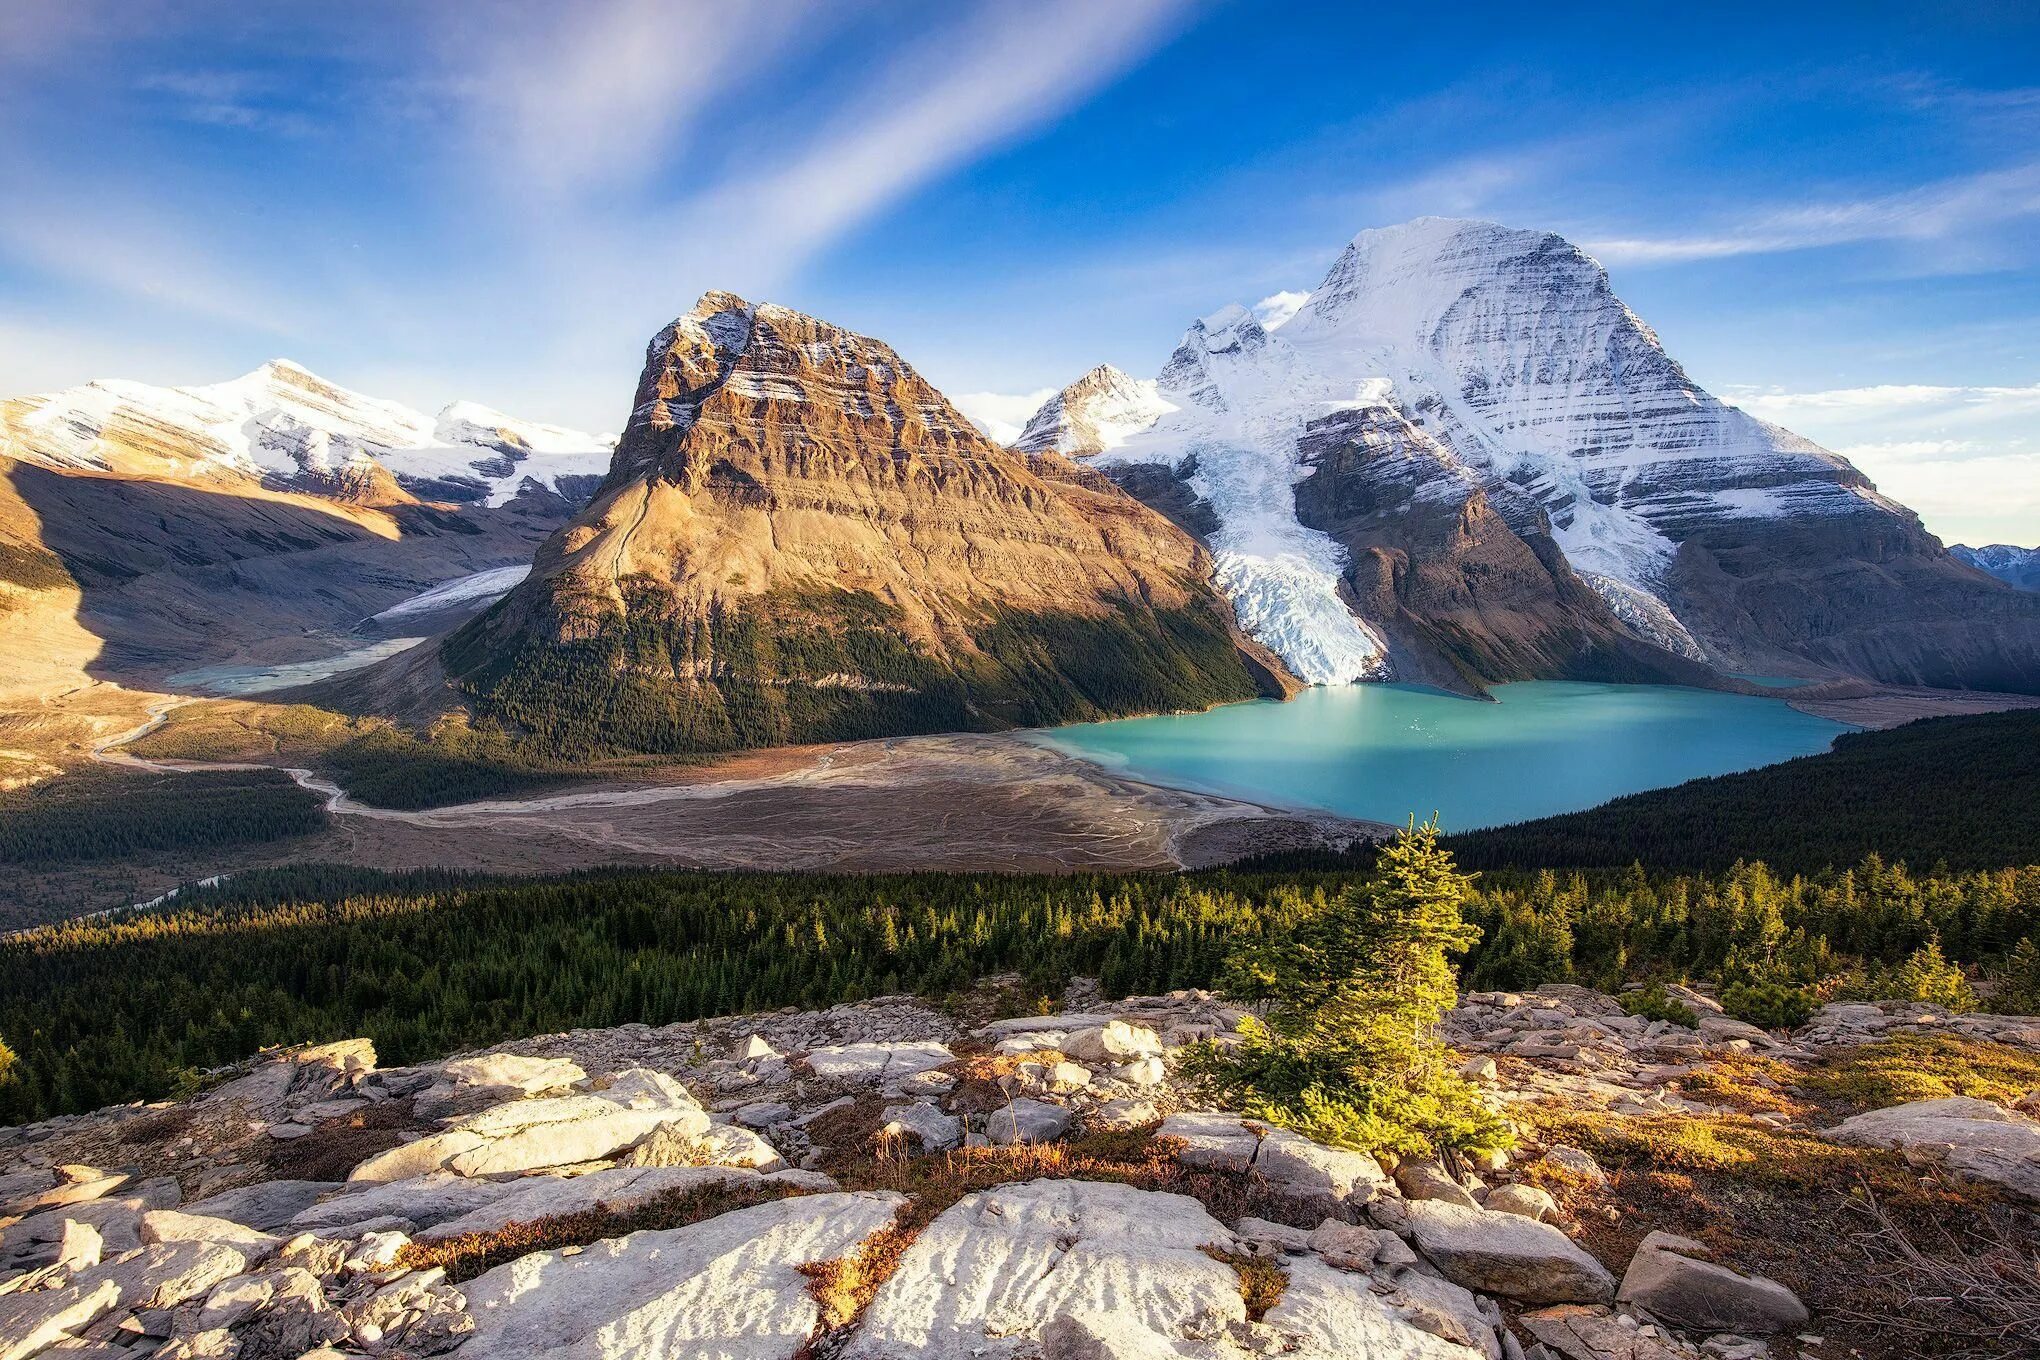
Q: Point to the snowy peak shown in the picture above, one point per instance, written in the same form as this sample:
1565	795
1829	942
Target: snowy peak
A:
2013	565
1097	412
286	427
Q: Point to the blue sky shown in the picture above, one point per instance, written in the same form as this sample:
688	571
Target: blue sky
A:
1830	213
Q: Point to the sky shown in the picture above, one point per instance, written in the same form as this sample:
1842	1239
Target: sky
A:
1829	213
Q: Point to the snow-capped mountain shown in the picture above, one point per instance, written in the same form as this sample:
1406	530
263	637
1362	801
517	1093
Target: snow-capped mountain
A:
292	430
2013	565
1510	353
1094	414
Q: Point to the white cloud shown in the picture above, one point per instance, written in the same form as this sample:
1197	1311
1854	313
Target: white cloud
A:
1276	308
1001	415
1932	212
1966	458
568	97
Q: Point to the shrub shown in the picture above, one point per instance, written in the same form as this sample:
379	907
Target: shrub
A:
1655	1003
1349	1053
1773	1005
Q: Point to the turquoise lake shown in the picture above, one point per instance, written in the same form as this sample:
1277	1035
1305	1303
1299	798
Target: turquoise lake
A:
1386	752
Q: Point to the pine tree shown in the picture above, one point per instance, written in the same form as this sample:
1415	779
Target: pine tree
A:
1349	1052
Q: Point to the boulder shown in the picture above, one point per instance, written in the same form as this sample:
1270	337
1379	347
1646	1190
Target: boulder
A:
171	1225
1578	1333
528	1075
1975	1137
1515	1257
1212	1142
1671	1278
1574	1164
1027	1121
1428	1180
1294	1165
33	1321
726	1286
1115	1041
529	1135
932	1129
1528	1200
763	1114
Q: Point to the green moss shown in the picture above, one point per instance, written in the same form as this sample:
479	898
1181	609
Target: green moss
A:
1911	1067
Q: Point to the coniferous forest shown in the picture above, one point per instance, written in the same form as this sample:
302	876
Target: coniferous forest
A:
426	964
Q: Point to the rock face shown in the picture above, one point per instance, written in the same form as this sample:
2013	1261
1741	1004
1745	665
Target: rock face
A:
1461	597
1702	529
800	539
1098	411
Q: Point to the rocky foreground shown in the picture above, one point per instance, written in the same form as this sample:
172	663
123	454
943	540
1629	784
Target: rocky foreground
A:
888	1179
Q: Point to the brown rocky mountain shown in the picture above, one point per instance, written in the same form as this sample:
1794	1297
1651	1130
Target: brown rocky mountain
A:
800	539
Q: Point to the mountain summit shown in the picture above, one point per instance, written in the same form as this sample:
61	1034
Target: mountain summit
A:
800	539
1486	367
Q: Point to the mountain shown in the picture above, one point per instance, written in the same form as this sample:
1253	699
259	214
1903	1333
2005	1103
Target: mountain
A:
801	540
1702	530
146	530
291	430
2015	566
1095	413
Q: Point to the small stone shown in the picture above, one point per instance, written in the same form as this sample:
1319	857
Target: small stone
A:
1527	1200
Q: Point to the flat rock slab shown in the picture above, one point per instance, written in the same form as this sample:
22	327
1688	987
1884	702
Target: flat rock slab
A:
994	1270
1975	1137
727	1287
1506	1254
268	1205
877	1061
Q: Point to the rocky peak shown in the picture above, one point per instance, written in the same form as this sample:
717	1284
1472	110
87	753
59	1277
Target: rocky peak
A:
1097	412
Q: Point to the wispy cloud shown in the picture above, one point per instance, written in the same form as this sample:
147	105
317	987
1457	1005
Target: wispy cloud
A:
1932	212
600	93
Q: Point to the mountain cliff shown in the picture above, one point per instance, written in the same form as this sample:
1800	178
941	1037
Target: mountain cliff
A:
800	539
1702	530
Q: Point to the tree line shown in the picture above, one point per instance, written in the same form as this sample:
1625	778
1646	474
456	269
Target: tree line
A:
429	963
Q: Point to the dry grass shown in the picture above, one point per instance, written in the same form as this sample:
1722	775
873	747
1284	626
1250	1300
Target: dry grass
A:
158	1127
844	1288
335	1147
1910	1067
1983	1293
1781	1203
1261	1280
472	1254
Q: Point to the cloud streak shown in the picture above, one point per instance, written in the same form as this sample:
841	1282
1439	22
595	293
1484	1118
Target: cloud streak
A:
1933	212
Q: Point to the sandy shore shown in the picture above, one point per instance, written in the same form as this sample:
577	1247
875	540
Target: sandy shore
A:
1883	706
